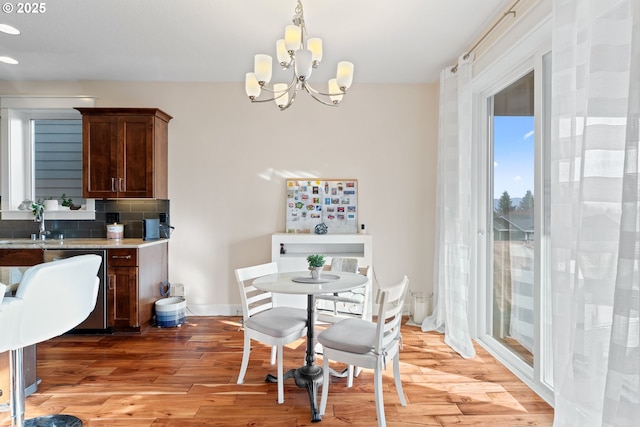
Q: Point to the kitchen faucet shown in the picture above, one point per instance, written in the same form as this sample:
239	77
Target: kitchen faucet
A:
39	210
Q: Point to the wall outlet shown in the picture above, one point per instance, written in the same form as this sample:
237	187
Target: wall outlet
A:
164	218
112	217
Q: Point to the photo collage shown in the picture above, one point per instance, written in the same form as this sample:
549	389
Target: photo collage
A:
322	206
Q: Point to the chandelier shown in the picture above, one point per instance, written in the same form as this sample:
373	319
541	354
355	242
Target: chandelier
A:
293	55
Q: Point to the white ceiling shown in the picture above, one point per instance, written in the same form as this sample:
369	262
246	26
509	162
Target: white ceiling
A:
399	41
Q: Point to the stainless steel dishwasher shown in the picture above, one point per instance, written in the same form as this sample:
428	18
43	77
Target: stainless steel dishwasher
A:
97	320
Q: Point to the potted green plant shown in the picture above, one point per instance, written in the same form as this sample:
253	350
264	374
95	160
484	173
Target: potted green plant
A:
316	262
67	203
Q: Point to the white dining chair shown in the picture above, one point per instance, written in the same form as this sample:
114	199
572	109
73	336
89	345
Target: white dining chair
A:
262	321
370	345
331	308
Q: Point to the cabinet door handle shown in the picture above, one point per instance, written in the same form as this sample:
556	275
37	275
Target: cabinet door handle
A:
121	257
120	182
113	185
110	282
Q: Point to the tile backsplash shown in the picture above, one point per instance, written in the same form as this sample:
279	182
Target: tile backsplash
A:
132	212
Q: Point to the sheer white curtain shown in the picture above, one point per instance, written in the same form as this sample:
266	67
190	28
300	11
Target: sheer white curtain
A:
595	212
453	214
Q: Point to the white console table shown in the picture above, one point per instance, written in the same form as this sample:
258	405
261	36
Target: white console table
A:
298	246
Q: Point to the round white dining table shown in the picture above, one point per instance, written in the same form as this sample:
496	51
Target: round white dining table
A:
309	376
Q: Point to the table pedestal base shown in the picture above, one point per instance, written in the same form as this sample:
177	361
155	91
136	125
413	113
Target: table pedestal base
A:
309	377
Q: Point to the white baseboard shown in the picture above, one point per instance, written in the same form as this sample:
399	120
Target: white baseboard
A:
214	310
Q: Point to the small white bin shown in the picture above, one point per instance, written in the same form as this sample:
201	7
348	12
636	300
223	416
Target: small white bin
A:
170	312
421	306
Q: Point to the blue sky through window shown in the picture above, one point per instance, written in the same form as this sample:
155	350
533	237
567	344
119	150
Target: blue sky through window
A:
513	155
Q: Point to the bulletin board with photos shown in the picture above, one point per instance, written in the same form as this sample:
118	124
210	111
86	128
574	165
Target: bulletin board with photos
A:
322	206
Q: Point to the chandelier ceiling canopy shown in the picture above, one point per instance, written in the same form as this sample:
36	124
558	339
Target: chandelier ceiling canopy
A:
300	54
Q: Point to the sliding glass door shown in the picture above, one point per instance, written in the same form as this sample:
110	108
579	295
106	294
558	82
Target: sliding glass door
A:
513	303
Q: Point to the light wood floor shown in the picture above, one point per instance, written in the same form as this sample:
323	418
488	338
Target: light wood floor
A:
186	377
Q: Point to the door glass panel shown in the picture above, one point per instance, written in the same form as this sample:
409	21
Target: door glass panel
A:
513	218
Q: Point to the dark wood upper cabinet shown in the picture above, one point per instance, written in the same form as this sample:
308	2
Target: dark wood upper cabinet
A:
124	152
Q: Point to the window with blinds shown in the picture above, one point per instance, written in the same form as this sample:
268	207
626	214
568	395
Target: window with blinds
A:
58	159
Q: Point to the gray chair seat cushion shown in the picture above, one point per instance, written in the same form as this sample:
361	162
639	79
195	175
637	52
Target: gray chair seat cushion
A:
351	335
278	321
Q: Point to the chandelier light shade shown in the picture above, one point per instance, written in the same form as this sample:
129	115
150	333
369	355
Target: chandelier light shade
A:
315	46
334	88
252	86
344	75
281	94
301	55
263	68
292	37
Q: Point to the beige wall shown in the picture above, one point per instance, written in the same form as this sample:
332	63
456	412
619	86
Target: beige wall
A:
228	161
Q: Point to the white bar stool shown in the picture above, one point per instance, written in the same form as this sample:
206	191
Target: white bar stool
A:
51	299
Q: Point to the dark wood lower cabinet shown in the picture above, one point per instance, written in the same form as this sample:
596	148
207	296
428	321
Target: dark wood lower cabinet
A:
122	301
135	277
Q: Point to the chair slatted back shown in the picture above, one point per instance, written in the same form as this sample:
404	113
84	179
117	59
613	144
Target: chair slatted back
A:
366	308
344	264
391	304
365	271
254	301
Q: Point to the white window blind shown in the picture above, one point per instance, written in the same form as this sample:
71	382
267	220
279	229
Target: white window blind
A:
58	159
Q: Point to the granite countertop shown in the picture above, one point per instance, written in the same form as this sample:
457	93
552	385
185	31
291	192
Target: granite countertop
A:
77	243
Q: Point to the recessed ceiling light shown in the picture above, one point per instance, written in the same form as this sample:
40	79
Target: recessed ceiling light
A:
8	60
8	29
